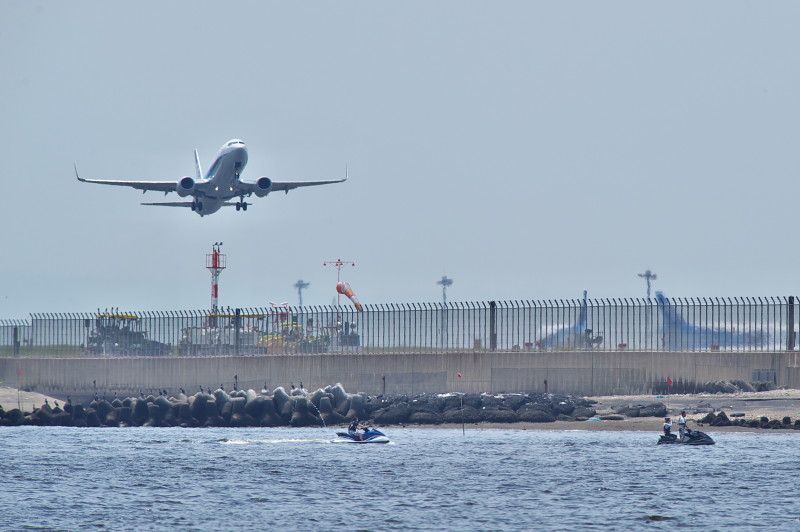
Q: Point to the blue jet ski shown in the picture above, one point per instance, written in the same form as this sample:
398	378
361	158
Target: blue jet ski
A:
692	437
368	436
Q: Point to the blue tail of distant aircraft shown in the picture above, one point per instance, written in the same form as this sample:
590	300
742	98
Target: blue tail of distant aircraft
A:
680	335
575	336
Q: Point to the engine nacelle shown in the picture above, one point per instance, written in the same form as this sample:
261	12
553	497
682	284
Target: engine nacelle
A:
262	187
185	187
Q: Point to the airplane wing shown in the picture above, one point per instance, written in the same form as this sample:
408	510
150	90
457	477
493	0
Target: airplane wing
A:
286	186
161	186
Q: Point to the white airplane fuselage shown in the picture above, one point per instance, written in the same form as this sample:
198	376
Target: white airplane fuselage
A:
220	180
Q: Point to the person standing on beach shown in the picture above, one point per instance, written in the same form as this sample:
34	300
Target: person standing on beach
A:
682	425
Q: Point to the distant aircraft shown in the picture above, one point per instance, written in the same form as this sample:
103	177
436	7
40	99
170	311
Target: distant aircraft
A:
220	184
575	336
679	335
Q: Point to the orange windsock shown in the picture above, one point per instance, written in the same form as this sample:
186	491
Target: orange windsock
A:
344	289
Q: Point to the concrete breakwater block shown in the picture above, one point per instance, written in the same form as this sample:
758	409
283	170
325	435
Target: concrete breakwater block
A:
331	405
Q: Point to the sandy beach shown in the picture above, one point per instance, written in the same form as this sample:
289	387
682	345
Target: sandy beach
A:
775	404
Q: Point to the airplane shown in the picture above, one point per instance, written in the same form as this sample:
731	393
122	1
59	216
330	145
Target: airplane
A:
575	336
679	335
221	183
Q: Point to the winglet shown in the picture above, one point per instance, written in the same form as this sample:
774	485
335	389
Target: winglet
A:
76	172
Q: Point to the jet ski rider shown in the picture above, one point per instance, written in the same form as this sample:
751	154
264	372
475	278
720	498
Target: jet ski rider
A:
353	426
682	425
667	426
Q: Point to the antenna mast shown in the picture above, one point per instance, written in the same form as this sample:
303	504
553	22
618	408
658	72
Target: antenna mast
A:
215	262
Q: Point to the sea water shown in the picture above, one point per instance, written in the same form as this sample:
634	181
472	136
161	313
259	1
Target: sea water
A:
426	479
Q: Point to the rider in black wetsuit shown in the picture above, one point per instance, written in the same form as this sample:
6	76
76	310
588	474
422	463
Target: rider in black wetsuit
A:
353	427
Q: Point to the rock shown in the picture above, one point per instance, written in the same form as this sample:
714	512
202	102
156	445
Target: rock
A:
339	395
721	420
650	410
140	412
393	415
428	403
515	401
582	413
210	410
226	411
103	409
356	408
92	420
498	415
256	407
301	417
164	404
468	414
535	413
425	418
124	414
154	416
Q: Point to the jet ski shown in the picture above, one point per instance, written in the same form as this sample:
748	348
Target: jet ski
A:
368	436
692	437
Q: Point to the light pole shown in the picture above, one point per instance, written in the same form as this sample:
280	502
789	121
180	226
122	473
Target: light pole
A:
649	276
445	282
300	285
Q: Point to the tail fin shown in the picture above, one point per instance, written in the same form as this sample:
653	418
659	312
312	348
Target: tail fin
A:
582	318
198	169
669	311
676	332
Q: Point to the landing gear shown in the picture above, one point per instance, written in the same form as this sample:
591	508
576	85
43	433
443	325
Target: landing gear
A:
240	205
197	206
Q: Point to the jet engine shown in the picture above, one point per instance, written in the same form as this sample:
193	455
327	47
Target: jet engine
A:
262	187
185	187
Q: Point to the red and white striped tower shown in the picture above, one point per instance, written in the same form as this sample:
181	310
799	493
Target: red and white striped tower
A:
215	262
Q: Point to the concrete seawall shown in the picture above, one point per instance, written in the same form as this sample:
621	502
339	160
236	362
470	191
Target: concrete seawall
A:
580	373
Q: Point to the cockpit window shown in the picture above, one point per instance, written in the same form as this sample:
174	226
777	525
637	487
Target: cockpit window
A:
232	142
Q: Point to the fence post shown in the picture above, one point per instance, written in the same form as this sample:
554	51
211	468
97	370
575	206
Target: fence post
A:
236	320
16	341
493	325
790	337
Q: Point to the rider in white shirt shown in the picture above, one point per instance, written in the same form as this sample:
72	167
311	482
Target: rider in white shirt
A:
682	424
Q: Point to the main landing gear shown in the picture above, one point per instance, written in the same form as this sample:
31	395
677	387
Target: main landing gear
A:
197	205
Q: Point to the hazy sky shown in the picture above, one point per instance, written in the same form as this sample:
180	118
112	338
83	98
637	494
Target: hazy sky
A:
527	150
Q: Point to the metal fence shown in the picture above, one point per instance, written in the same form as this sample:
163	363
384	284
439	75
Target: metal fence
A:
660	324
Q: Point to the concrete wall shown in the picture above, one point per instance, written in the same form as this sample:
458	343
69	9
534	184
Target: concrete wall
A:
581	373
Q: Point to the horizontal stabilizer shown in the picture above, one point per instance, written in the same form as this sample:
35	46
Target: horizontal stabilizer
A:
188	204
172	204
